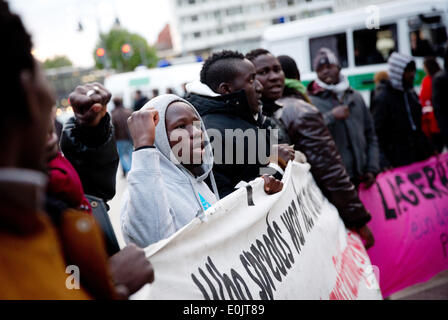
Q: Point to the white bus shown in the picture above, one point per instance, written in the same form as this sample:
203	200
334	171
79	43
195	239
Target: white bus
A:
172	77
413	27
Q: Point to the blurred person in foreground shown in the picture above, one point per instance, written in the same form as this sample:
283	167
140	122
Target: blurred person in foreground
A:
440	98
304	127
347	118
123	138
429	123
129	268
36	248
398	116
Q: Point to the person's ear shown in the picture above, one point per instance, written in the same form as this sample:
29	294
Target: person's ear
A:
225	88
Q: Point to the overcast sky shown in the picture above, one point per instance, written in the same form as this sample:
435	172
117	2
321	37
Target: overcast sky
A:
53	23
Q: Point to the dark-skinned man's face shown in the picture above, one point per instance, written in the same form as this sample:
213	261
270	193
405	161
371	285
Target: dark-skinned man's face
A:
183	126
245	79
328	73
271	76
408	77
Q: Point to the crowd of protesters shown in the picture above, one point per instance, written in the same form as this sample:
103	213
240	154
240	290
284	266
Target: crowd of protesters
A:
54	190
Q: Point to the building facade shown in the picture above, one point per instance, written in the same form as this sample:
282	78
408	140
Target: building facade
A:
202	26
342	5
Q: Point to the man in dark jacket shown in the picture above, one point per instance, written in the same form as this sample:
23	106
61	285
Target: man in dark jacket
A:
397	114
227	98
88	141
347	117
440	98
305	128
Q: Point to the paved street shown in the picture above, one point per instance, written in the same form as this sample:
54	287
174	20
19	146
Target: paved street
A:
434	289
115	206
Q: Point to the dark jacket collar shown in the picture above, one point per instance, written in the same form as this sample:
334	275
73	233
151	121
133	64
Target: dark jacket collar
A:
270	107
232	104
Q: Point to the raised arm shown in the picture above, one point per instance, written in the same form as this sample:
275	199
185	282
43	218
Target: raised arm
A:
88	141
145	216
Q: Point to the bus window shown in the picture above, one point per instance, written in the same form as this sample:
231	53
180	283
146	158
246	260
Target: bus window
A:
427	35
375	45
336	43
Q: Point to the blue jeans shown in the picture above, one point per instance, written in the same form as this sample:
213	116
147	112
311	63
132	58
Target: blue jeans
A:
125	149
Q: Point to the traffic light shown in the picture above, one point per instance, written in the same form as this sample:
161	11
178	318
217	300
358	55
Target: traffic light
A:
101	55
126	50
100	52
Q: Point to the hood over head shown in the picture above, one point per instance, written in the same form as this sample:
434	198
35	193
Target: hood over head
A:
397	64
161	104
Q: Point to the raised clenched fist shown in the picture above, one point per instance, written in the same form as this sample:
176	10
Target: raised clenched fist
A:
89	103
142	126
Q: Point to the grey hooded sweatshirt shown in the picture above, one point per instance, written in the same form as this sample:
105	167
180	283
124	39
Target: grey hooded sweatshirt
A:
162	195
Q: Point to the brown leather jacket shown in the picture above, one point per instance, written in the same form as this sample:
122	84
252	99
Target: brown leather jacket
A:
306	129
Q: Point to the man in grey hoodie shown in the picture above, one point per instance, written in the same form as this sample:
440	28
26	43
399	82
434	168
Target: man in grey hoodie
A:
172	158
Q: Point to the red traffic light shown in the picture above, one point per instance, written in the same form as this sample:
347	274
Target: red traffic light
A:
126	48
100	52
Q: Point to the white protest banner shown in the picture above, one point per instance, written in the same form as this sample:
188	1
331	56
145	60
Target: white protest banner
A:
291	245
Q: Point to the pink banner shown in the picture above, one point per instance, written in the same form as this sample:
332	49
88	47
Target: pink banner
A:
409	207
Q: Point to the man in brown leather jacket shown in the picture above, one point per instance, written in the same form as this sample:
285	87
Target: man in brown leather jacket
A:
306	130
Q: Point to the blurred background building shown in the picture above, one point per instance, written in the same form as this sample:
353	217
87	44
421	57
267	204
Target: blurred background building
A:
201	26
194	29
341	5
65	79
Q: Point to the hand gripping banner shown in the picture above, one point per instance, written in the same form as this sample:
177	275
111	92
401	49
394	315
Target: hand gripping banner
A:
291	245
